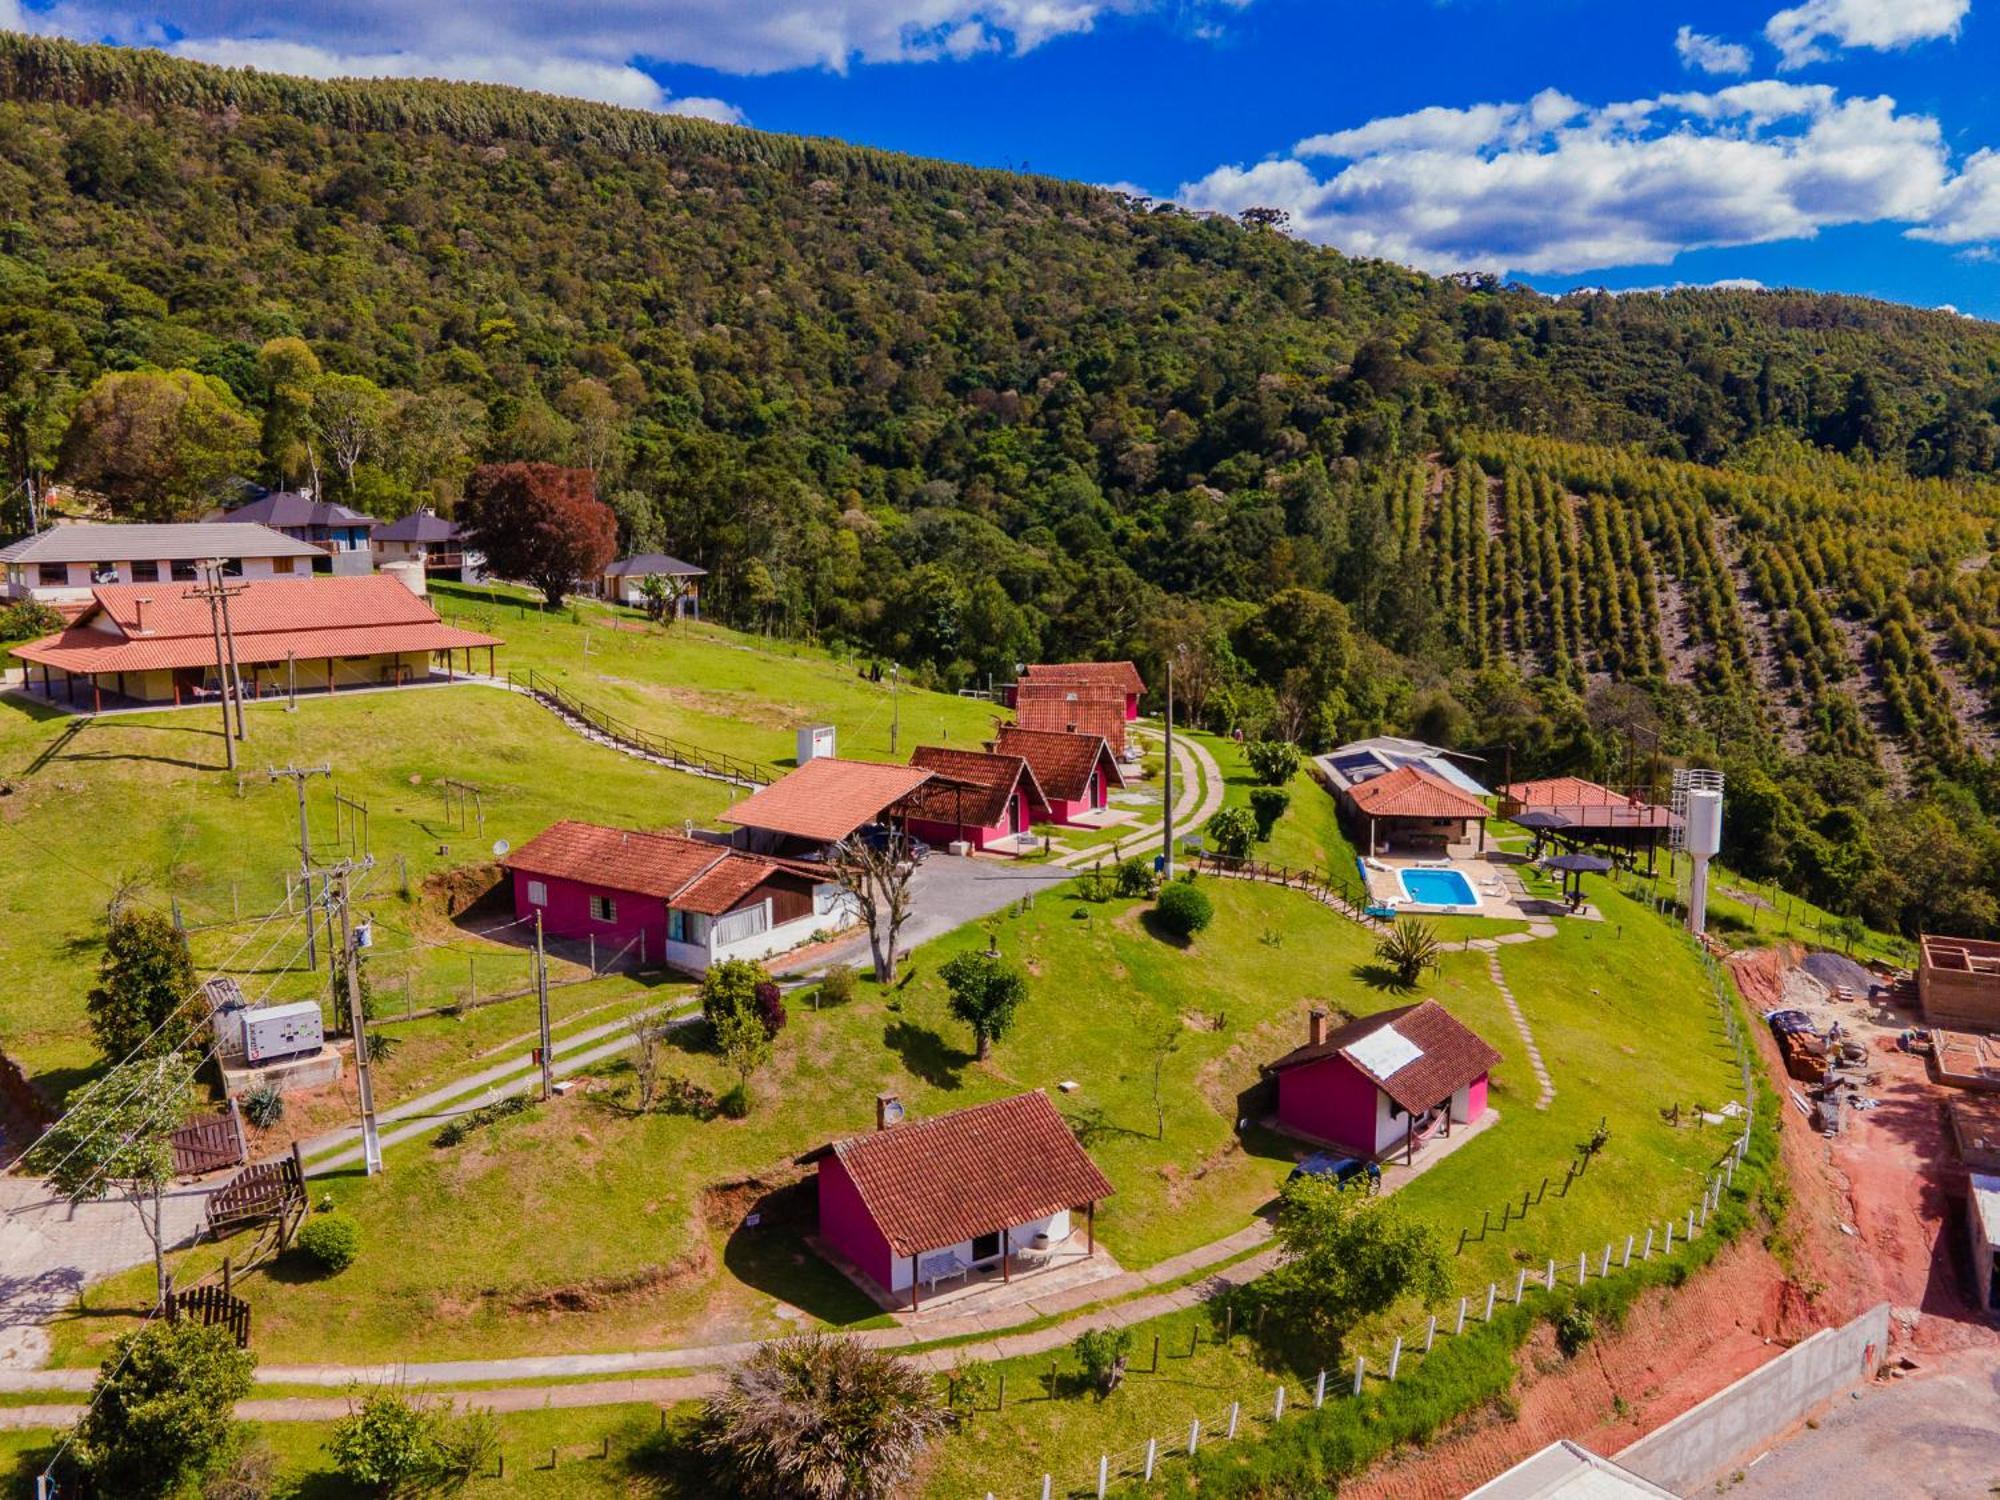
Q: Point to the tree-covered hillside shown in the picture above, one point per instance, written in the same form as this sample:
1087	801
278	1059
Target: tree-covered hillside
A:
965	418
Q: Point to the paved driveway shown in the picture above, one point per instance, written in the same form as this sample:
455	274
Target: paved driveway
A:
949	891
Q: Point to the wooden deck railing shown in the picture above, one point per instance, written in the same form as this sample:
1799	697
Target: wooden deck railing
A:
677	753
1347	898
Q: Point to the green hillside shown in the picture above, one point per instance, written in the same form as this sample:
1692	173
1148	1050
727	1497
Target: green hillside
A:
963	418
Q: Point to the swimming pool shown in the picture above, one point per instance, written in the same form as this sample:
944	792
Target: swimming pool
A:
1445	889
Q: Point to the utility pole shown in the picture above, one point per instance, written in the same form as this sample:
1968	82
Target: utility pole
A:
1167	853
371	1142
299	775
229	640
895	704
221	672
542	997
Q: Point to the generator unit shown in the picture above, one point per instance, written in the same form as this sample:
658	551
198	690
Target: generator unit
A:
274	1032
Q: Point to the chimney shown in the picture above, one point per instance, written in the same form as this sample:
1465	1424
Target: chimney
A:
1316	1026
139	605
888	1110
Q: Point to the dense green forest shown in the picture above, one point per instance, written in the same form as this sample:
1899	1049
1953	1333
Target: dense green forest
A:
966	418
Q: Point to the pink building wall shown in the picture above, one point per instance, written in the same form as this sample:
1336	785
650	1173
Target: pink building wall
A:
932	831
845	1224
1330	1100
567	914
1475	1098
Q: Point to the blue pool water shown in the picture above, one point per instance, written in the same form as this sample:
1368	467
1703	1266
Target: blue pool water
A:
1438	888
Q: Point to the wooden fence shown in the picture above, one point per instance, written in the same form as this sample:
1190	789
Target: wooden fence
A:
1347	898
211	1307
209	1145
676	753
265	1190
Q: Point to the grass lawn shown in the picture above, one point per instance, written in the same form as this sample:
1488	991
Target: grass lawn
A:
719	689
583	1226
1622	1015
600	1451
144	797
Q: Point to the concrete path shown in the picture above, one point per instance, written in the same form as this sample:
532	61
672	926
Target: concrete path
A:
1198	795
50	1250
947	892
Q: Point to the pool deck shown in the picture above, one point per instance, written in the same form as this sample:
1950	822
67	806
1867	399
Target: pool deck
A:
1499	890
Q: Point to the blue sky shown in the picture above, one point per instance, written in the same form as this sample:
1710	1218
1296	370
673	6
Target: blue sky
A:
1837	144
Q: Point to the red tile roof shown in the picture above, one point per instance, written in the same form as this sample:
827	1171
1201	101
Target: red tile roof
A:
1451	1054
688	873
1413	792
1061	762
1121	675
1562	791
826	799
973	787
1070	708
138	627
936	1182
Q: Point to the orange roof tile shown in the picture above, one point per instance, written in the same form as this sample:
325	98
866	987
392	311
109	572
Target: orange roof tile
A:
827	799
1119	674
1562	791
139	627
1071	708
688	873
1061	761
972	787
936	1182
1413	792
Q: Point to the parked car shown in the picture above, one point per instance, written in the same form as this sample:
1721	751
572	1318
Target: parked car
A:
1346	1170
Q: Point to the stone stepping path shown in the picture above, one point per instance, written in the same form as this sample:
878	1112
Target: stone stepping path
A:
1499	978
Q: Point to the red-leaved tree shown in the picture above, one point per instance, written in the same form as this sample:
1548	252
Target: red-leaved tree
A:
540	523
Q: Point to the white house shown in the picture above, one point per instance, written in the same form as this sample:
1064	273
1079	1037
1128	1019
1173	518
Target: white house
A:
63	564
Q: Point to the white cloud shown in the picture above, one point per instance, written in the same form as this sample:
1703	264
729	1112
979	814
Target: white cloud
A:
1968	211
1803	32
1710	54
1550	186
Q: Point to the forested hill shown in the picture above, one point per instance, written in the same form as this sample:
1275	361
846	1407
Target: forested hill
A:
964	418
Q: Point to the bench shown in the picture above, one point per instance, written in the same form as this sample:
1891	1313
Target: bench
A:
935	1268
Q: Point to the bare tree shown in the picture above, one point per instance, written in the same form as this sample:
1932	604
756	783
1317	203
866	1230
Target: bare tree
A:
877	880
645	1031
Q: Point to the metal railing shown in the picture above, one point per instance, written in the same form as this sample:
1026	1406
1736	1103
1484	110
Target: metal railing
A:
676	753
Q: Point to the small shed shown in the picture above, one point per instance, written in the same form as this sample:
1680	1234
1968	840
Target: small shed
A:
624	582
969	1189
1385	1082
977	797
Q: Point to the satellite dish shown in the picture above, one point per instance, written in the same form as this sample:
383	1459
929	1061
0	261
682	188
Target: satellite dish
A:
500	848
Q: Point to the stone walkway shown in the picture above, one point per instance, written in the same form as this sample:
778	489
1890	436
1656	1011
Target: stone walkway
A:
1499	979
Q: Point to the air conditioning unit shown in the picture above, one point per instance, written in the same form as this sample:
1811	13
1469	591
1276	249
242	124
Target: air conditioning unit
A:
280	1031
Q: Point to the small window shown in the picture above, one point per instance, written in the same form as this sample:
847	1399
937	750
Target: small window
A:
281	565
145	572
538	893
184	572
53	575
603	909
232	567
676	926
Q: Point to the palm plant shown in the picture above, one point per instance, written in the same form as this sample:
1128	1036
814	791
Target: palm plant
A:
1409	949
820	1417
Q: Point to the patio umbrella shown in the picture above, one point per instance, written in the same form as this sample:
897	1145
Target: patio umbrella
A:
1539	819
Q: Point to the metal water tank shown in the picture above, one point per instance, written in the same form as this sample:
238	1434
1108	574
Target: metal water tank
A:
1704	822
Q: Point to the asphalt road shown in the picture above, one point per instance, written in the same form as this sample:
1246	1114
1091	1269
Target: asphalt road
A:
949	891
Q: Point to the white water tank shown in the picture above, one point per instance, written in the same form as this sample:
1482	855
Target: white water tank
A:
1704	822
409	573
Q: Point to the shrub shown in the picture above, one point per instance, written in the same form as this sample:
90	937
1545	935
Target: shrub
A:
1267	805
330	1242
1137	878
1273	762
730	988
395	1444
1102	1353
771	1007
1231	832
736	1103
1184	909
29	619
1409	948
1092	885
263	1106
1575	1327
383	1045
141	1001
837	985
820	1418
683	1096
456	1130
163	1411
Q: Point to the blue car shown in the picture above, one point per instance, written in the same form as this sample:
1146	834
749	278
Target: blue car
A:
1344	1170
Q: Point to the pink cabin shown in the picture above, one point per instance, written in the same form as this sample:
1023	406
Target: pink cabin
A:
664	898
1076	772
996	1185
1385	1083
1119	677
974	797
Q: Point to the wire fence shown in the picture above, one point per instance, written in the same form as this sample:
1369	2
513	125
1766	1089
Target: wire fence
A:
1257	1414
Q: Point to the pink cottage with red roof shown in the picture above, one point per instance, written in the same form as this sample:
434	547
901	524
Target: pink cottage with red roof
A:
662	896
